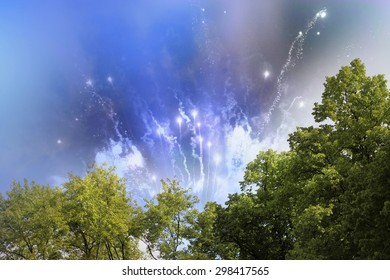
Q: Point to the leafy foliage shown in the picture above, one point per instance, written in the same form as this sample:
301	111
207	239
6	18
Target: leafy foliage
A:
168	220
207	243
98	213
31	224
344	168
258	220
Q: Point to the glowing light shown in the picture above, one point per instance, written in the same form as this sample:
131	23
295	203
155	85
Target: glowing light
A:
300	33
198	124
301	104
76	119
59	141
154	178
321	14
266	74
318	33
203	9
109	79
224	12
194	113
179	120
200	139
89	83
217	159
209	144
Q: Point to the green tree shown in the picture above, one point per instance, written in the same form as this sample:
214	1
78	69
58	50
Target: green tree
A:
168	221
343	167
31	223
258	220
329	196
101	217
206	243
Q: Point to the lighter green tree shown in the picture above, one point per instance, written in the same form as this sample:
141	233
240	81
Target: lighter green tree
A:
169	220
100	215
31	223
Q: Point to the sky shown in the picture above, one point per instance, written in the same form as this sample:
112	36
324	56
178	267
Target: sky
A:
185	89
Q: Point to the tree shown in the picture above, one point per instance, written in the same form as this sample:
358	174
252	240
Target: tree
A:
206	243
258	221
329	196
31	223
100	215
343	167
168	221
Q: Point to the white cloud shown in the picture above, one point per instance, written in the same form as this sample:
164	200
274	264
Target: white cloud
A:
123	155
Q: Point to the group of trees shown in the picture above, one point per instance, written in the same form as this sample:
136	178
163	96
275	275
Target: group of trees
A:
88	218
328	197
93	218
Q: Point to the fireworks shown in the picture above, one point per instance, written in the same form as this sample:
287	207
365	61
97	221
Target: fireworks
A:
204	146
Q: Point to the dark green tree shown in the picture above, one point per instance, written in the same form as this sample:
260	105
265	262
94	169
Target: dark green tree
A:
206	243
343	167
258	220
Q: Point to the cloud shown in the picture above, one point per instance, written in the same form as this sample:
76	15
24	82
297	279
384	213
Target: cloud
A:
123	155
